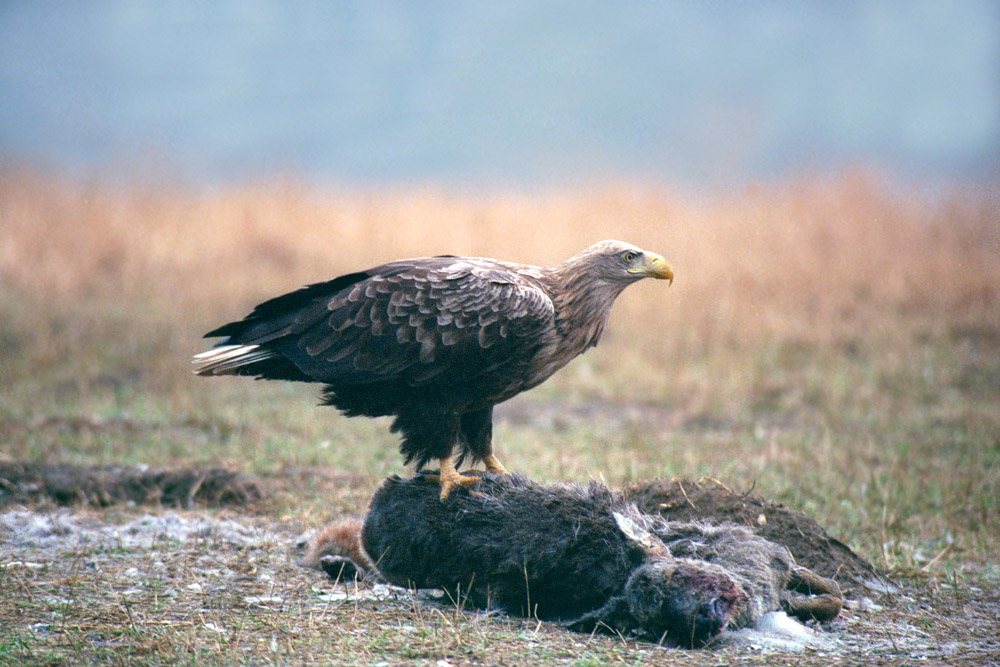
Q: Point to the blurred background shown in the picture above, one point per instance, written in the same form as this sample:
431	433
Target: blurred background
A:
490	94
824	177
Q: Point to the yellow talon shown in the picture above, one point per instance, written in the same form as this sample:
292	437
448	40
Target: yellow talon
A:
449	478
493	464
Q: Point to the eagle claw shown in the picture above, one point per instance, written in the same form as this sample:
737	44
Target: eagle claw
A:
493	464
449	478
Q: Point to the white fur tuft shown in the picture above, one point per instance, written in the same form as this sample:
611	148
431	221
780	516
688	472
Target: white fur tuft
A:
777	631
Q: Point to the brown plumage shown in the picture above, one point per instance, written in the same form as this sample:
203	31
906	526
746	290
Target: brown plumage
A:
435	342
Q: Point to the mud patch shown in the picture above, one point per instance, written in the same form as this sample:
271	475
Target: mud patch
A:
809	543
102	486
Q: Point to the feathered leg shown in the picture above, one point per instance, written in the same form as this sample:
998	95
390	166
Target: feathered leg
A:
427	437
476	435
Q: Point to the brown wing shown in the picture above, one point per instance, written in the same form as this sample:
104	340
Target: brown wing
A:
444	319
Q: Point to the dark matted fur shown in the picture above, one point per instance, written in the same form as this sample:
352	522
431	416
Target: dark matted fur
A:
483	543
580	554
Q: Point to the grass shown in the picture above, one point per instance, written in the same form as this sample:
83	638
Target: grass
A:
832	342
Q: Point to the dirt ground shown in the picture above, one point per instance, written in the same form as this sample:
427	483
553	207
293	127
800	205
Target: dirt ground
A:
109	485
97	562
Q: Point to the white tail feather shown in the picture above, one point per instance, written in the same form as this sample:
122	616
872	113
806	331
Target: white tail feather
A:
221	349
225	358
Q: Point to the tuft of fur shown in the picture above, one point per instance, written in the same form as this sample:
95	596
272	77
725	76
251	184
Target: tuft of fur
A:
337	551
578	554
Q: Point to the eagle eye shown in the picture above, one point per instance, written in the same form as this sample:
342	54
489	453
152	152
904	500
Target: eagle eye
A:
630	256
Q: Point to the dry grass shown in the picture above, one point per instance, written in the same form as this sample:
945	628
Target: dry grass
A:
833	341
830	260
815	259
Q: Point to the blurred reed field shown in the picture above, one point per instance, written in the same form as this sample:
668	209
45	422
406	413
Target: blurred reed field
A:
810	258
834	338
829	261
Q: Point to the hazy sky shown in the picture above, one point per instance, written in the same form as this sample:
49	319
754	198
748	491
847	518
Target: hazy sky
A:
471	92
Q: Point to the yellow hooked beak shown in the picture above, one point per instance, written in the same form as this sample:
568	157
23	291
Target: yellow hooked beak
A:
655	267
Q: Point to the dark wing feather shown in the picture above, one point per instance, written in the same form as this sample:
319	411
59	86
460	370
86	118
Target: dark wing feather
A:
445	320
272	318
441	321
